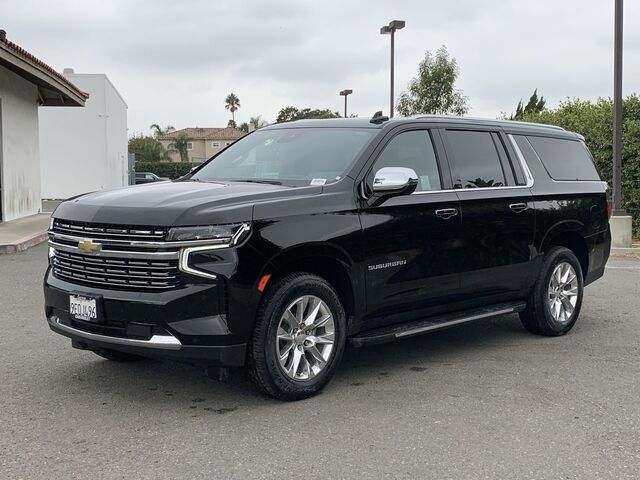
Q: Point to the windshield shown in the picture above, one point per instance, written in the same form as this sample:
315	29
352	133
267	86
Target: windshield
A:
298	156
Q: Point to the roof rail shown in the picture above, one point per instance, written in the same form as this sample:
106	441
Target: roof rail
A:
488	120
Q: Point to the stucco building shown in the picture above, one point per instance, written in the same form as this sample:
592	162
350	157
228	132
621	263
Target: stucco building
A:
90	142
202	143
25	83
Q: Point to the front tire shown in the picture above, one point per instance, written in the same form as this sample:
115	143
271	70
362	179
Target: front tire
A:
299	337
554	304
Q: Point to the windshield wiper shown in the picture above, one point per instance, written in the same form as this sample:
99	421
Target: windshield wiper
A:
258	180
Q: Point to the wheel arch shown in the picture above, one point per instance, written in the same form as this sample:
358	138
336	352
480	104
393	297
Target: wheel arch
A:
568	234
329	262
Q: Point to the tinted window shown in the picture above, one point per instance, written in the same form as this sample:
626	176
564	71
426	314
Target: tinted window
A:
414	150
289	155
564	159
476	163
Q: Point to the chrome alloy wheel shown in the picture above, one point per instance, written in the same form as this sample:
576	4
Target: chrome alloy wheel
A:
563	292
305	337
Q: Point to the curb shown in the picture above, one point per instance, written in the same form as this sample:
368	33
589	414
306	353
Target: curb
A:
24	243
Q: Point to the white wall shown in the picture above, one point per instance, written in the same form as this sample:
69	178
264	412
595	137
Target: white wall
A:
19	158
84	149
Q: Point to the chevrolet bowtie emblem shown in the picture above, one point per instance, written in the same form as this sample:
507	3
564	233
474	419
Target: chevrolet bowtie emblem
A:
89	246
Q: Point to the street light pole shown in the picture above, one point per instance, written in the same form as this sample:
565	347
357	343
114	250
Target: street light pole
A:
385	30
345	93
617	112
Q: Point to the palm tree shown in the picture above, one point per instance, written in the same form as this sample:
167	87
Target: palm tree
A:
232	103
158	130
179	144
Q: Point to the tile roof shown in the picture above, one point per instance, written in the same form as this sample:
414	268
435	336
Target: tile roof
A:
226	133
40	65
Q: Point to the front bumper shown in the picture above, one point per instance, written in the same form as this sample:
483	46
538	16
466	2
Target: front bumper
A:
187	324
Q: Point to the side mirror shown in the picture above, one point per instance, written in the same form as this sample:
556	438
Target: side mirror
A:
392	182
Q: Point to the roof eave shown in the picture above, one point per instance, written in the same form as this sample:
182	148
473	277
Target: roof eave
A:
51	90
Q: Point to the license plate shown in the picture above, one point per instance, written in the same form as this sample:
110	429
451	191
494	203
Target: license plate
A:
83	308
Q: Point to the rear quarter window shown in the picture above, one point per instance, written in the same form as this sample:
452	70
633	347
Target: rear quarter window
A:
564	159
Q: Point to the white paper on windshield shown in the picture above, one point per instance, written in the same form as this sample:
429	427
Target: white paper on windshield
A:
318	181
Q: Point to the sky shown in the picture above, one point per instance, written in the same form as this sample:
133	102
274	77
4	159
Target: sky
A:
174	62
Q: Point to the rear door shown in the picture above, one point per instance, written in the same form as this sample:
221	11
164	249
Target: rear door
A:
497	211
412	242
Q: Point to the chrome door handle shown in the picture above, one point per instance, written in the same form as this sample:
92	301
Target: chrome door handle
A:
518	207
446	213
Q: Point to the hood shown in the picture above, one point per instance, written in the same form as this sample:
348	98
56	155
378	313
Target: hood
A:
176	203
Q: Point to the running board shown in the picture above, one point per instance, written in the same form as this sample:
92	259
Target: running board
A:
432	324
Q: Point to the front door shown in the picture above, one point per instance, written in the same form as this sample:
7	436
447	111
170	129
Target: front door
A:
411	242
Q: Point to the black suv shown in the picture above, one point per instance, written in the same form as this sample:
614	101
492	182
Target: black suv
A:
304	236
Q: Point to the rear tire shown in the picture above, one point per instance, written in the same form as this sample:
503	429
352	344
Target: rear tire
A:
299	337
554	304
117	356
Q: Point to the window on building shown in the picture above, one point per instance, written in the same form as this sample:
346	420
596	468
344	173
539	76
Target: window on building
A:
227	143
189	145
215	144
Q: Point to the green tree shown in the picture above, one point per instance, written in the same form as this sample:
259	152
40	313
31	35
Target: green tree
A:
533	106
244	127
146	148
158	130
433	90
232	103
594	120
231	124
179	144
257	122
290	114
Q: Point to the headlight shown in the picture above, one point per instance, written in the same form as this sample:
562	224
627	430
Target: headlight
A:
225	234
216	237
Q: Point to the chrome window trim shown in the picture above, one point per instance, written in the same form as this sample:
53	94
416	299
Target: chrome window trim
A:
166	342
523	162
525	168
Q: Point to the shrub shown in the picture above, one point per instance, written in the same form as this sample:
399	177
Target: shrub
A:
594	120
165	169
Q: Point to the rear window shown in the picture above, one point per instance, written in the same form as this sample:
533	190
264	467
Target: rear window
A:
564	159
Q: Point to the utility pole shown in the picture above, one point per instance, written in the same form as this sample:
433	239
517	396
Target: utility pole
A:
345	93
385	30
617	111
621	224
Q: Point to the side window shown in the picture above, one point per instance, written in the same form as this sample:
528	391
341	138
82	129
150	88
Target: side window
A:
413	149
564	159
475	161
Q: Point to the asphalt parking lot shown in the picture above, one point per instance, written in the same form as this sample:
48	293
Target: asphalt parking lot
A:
480	401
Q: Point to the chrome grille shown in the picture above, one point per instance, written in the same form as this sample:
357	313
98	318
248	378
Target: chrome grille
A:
109	232
116	272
